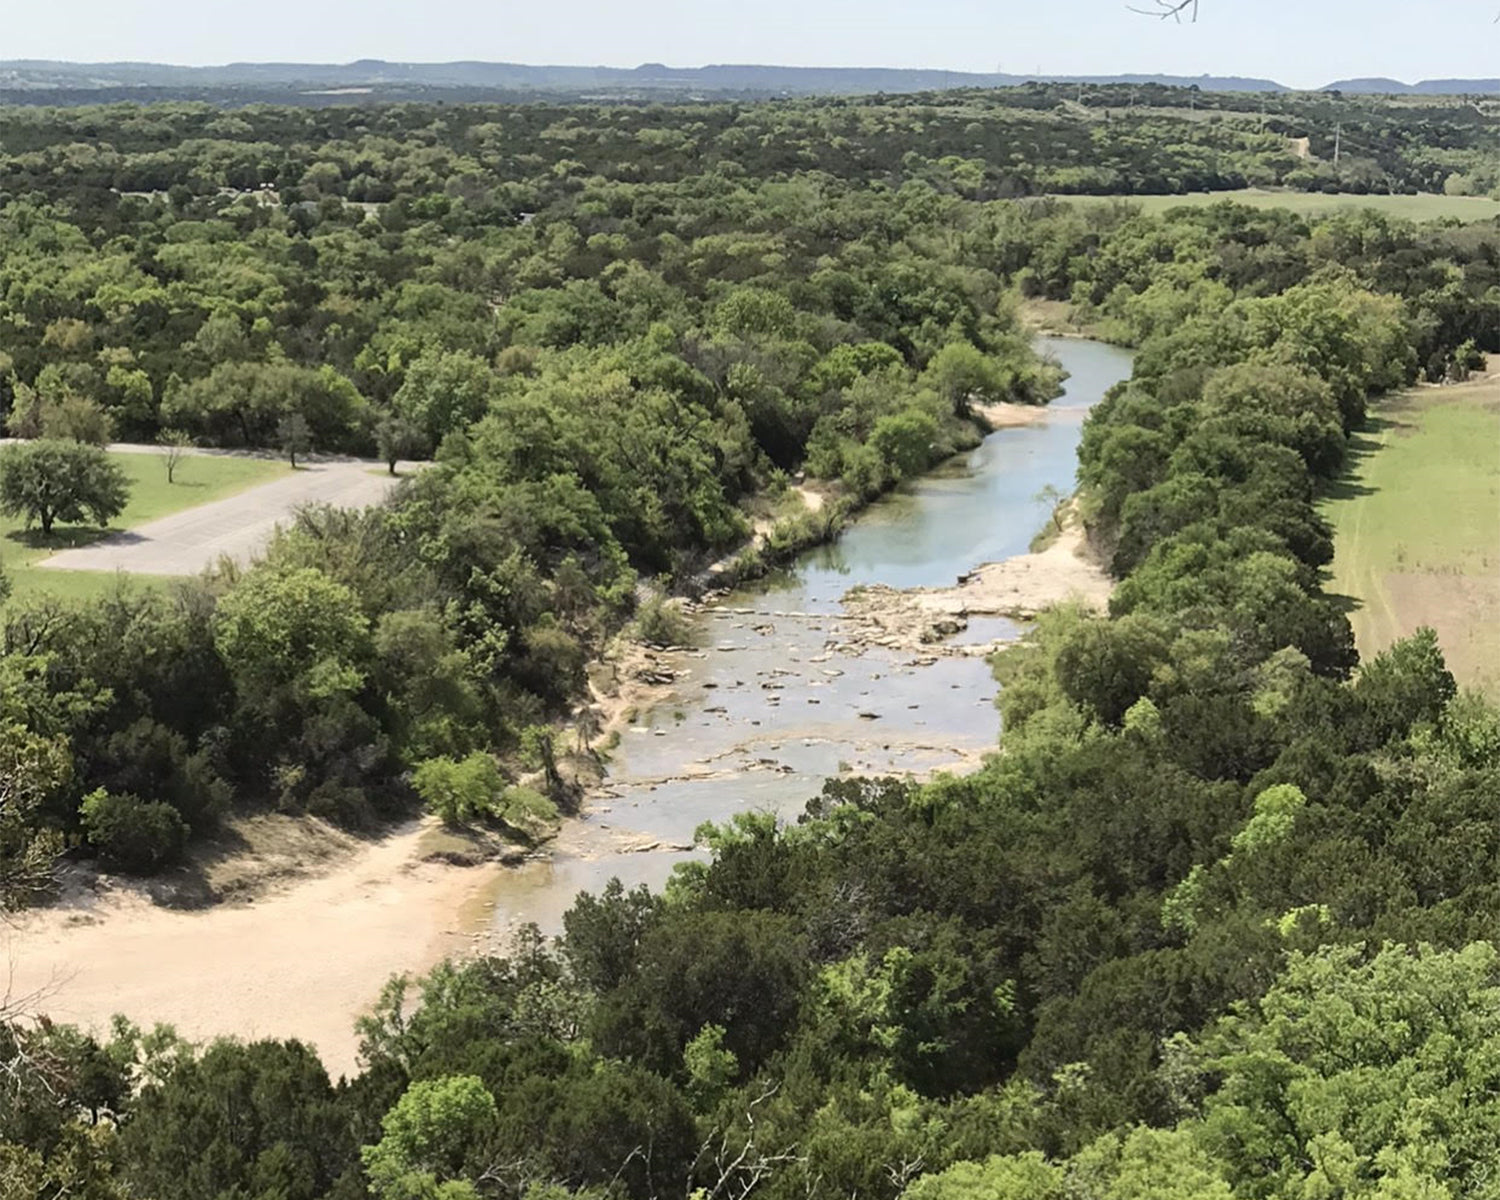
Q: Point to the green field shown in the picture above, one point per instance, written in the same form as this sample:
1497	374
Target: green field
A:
1417	527
1411	208
199	480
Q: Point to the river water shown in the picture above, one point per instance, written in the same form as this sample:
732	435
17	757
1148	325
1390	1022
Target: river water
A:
771	702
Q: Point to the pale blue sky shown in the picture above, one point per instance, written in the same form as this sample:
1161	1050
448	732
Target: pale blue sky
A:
1302	42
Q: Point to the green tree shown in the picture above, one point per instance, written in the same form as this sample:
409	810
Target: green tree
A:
443	393
1363	1074
32	770
293	627
960	372
75	418
174	444
240	1120
46	482
460	791
131	834
295	436
397	438
905	440
431	1139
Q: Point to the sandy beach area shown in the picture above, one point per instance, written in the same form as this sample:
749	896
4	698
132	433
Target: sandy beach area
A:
303	961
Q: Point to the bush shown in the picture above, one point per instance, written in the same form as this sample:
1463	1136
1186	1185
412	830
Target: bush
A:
459	791
130	834
662	623
529	813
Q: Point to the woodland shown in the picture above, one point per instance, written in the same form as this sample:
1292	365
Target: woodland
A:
1213	922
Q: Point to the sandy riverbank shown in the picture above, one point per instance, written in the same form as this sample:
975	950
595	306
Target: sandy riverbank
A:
304	961
918	618
1005	415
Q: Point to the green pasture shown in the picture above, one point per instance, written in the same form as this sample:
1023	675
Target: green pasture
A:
1417	527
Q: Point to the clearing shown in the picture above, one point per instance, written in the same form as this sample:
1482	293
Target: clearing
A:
1424	207
303	962
200	479
1417	526
236	526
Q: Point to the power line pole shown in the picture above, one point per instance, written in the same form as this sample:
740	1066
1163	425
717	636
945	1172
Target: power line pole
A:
1338	142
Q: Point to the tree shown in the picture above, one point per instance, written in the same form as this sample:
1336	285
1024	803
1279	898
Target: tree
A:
46	482
297	628
443	393
961	372
76	418
241	1120
397	438
131	834
461	791
294	435
1172	10
904	440
432	1137
1365	1074
175	444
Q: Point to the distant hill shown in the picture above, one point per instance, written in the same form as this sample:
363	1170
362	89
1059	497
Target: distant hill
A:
24	75
70	83
1428	87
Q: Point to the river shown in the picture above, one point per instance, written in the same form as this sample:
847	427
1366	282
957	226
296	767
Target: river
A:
771	702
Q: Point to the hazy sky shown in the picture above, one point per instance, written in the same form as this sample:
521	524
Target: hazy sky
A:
1303	43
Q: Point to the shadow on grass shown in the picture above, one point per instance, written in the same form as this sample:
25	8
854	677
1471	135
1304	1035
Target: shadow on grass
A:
71	537
1364	442
1347	605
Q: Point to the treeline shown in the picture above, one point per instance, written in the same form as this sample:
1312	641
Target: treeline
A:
499	161
1210	925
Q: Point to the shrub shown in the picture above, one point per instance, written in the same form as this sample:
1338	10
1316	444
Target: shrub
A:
528	812
662	623
130	834
459	791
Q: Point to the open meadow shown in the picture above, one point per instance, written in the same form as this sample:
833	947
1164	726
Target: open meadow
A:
199	480
1417	527
1425	207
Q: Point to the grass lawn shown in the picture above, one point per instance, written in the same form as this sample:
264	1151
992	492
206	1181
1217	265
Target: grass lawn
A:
199	480
1412	208
1417	527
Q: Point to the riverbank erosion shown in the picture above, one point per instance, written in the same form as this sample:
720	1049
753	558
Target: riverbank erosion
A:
1018	588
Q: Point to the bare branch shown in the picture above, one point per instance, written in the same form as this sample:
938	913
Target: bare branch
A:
1169	10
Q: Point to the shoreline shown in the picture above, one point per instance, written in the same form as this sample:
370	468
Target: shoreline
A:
1018	588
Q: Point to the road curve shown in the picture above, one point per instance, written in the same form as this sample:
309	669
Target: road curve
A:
237	527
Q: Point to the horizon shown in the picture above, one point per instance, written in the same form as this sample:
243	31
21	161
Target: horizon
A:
1042	75
1068	38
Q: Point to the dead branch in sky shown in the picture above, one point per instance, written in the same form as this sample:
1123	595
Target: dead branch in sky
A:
1170	10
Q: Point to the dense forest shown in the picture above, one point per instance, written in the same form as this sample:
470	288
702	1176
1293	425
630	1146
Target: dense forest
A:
1213	921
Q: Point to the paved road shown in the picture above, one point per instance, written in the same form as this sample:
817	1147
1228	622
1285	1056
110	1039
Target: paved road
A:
238	526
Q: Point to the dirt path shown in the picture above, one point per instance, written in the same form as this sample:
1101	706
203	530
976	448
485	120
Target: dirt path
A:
238	526
303	962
